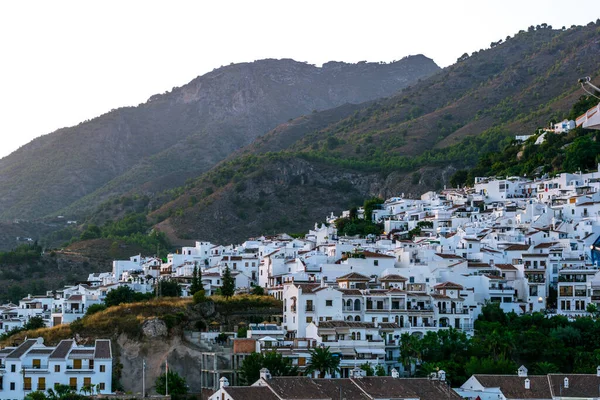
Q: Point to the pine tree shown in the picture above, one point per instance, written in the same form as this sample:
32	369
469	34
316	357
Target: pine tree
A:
228	287
196	285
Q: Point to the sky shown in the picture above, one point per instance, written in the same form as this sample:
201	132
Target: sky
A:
62	62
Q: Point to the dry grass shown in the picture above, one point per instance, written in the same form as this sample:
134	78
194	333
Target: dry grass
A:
125	318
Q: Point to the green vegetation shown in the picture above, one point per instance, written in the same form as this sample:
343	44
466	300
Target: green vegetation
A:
133	228
22	254
228	286
577	150
502	342
274	362
124	294
172	381
353	225
323	361
196	284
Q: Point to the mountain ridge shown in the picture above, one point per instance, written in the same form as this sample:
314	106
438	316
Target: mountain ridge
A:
237	102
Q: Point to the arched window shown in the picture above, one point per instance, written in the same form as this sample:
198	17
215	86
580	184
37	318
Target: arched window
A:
357	318
357	335
357	305
349	304
353	335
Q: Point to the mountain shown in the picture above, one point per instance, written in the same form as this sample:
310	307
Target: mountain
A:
408	143
182	133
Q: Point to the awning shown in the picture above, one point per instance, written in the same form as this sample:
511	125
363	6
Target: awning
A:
347	351
364	350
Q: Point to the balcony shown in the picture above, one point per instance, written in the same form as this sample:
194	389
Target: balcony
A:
33	368
446	311
419	308
309	308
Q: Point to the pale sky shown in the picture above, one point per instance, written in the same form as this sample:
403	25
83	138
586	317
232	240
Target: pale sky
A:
62	62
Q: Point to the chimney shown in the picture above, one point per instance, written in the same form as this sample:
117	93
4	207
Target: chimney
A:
522	371
395	373
223	382
566	383
356	373
265	374
442	375
527	384
598	370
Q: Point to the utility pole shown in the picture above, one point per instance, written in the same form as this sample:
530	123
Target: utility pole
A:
143	379
166	377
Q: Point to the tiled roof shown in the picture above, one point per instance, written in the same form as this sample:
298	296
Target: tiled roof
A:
580	385
251	393
295	388
448	285
517	247
354	276
103	350
393	278
340	389
506	267
447	255
370	254
513	387
345	324
62	349
22	349
545	245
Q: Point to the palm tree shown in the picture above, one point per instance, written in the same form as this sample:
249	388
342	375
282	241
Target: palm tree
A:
323	361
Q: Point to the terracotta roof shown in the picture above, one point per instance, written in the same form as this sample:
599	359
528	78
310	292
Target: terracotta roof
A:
354	276
250	393
448	285
75	297
416	388
506	267
345	324
447	256
545	245
371	254
513	387
388	325
392	278
517	247
351	292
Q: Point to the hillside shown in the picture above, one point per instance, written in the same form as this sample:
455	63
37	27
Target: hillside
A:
411	142
182	133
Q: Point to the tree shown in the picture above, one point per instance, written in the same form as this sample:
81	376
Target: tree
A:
323	361
36	322
228	287
380	370
94	308
274	362
169	288
258	290
122	294
196	281
367	368
410	351
176	384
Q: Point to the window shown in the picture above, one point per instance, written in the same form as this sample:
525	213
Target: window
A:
102	386
103	368
76	364
73	383
309	320
87	382
37	363
329	303
375	262
41	384
12	386
13	368
57	368
27	383
91	364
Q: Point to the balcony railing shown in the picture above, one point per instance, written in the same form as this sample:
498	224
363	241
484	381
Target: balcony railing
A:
453	311
309	308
